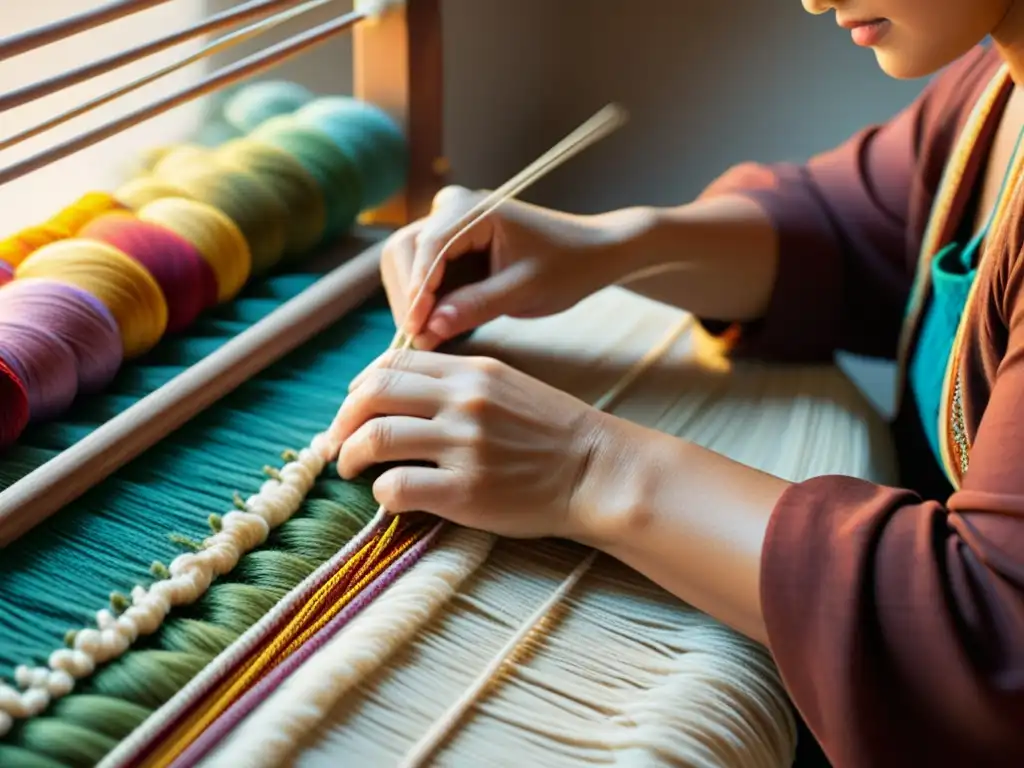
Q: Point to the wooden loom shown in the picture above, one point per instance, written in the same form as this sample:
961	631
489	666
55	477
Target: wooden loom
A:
622	672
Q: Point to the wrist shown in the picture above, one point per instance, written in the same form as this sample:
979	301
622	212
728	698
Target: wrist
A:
619	237
620	470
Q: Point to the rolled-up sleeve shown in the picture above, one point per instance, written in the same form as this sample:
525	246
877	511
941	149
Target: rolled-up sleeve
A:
849	223
897	623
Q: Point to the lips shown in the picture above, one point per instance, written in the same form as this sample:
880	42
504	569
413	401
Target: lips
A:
852	24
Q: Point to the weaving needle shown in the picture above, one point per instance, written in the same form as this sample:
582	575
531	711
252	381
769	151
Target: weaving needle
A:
605	121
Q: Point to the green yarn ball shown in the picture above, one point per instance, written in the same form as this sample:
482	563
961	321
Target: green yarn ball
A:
369	136
334	171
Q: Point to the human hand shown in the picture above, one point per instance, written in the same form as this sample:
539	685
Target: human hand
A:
507	452
539	262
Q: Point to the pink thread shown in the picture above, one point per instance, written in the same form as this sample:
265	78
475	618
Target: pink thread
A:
6	272
74	316
186	279
45	365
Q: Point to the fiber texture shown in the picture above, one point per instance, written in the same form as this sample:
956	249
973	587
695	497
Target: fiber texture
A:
199	221
90	555
623	674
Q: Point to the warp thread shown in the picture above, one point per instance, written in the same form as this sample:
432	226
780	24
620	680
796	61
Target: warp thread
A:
188	233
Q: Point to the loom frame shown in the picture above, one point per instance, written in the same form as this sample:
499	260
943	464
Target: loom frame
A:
398	64
407	38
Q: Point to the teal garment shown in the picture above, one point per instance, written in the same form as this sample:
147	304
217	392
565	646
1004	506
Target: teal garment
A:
952	273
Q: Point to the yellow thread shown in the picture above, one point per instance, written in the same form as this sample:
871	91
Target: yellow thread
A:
125	287
194	725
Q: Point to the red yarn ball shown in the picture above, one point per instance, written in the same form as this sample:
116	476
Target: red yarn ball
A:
184	276
6	272
13	406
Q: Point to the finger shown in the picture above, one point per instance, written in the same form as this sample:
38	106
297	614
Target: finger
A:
389	439
444	231
387	393
419	489
396	268
469	307
433	364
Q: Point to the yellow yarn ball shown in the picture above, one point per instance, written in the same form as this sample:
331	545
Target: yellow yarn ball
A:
127	289
138	193
290	181
65	224
243	197
212	233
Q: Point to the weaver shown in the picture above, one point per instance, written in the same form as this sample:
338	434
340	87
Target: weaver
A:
173	319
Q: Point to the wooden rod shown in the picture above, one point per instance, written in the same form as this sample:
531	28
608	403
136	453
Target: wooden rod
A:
225	76
251	10
398	64
44	491
23	42
221	44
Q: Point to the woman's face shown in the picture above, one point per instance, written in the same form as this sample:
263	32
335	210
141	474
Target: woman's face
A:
914	38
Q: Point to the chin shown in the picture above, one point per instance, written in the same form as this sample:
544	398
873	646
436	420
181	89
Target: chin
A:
902	62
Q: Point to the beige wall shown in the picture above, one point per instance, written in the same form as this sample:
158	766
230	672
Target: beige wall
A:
708	84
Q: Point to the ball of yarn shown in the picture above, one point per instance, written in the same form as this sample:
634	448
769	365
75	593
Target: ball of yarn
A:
184	276
212	233
13	406
213	133
45	365
141	191
334	171
77	318
293	184
121	284
65	224
255	103
6	272
369	136
254	207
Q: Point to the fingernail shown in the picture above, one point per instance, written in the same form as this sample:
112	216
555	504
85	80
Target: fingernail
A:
442	320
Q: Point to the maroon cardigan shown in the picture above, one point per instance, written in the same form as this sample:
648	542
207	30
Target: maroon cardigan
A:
896	615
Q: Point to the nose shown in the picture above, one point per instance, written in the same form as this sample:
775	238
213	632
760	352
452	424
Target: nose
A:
817	7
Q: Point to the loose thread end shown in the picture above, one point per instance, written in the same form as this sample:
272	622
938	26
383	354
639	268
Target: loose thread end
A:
119	602
185	541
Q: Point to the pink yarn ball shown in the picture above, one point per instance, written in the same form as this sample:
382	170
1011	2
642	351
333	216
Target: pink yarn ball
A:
187	281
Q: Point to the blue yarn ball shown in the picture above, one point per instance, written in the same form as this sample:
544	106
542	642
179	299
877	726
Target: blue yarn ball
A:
253	104
369	136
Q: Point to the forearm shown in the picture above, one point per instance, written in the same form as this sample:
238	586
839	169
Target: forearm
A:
715	257
689	519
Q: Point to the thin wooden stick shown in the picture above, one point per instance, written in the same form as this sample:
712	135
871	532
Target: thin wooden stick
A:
250	10
601	124
221	44
45	490
226	76
23	42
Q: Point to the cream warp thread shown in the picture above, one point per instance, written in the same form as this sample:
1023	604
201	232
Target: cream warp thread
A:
449	721
630	676
269	730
